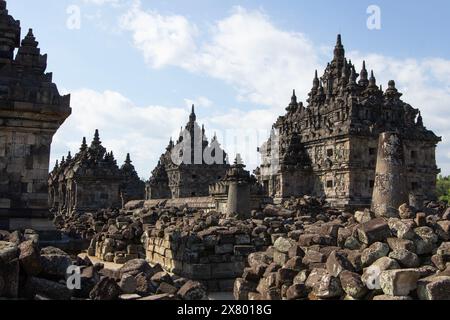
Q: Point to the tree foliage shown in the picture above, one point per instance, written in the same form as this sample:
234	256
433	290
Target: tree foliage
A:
443	188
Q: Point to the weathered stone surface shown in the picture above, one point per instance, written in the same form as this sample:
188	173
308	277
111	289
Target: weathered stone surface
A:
338	262
405	258
242	288
50	289
373	231
136	266
328	287
373	253
434	288
9	270
55	262
192	291
399	282
30	258
128	284
296	292
105	289
352	284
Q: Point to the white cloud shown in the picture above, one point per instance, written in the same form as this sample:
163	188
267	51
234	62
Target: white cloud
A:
161	39
202	102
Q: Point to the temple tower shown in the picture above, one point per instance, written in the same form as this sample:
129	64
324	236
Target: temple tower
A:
31	111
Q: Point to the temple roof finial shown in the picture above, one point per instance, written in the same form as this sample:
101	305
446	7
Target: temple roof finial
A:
192	117
128	159
339	51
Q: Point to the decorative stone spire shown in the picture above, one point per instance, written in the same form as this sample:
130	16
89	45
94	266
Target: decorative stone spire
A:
192	117
69	157
316	82
420	120
372	81
128	159
339	51
364	81
294	104
30	40
84	145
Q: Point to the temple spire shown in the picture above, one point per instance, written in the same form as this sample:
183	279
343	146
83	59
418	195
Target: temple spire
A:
339	51
293	98
83	145
372	80
192	117
30	40
364	76
128	159
316	82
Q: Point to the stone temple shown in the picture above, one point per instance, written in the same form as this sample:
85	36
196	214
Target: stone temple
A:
189	167
92	180
329	147
31	111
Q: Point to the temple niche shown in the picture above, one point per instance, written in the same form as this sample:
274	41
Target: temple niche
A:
188	167
31	111
91	180
328	148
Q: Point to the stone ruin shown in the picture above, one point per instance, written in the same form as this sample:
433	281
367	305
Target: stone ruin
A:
213	227
339	255
92	180
31	111
189	166
329	147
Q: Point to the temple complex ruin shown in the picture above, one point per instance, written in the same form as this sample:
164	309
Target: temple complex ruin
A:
329	147
92	180
31	111
189	166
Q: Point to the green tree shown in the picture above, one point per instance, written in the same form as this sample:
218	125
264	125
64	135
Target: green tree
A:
443	188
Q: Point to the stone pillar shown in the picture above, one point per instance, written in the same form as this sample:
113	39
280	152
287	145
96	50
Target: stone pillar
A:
238	202
390	190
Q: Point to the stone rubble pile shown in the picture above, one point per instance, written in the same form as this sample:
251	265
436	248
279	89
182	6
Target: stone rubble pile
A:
30	272
338	255
211	248
113	235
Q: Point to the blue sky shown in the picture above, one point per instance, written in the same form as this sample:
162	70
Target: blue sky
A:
134	67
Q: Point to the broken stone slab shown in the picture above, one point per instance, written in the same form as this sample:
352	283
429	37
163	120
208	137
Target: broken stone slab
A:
136	266
242	288
401	244
192	290
297	292
50	289
371	275
405	258
105	289
30	258
128	284
284	245
9	270
373	253
434	288
328	287
54	262
352	284
399	282
373	231
338	262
